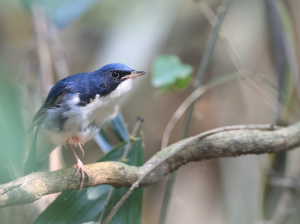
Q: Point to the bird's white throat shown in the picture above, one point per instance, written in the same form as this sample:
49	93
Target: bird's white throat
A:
123	88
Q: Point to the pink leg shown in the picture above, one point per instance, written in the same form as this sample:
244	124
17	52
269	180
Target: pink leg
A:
80	167
75	139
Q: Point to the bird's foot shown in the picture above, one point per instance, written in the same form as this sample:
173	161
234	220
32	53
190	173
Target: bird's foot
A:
83	171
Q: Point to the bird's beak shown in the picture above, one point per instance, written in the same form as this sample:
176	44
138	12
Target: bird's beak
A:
134	74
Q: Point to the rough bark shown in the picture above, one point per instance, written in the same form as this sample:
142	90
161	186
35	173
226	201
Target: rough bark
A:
214	145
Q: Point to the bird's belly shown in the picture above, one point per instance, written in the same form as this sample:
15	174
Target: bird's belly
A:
81	122
83	135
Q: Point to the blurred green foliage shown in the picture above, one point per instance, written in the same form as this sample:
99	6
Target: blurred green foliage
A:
283	39
12	134
61	12
168	72
119	127
87	205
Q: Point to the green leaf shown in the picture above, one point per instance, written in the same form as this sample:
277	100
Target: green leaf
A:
119	127
180	84
168	72
86	206
12	133
130	212
103	141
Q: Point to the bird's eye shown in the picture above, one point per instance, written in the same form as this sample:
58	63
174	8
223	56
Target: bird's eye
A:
114	74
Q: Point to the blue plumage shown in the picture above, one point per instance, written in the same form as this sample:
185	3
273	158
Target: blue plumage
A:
87	85
76	108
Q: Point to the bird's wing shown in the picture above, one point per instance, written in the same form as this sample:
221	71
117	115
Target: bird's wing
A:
55	97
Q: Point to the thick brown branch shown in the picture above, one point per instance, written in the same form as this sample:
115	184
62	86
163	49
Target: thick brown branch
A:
221	144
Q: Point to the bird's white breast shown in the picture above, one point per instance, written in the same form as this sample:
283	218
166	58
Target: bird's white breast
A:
85	122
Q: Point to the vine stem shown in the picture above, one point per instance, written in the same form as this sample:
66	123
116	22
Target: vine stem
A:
197	83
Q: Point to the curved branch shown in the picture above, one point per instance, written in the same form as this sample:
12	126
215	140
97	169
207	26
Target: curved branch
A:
223	142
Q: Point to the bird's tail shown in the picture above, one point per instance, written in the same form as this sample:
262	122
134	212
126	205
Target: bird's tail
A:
33	163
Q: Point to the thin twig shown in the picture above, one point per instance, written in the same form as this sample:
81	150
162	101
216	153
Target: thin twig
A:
292	60
131	189
136	129
111	190
236	60
235	57
180	110
286	182
212	40
208	51
58	53
41	29
175	150
288	199
183	107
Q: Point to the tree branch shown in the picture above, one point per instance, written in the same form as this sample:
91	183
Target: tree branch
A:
222	142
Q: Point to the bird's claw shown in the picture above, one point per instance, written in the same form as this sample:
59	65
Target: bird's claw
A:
80	167
81	149
77	142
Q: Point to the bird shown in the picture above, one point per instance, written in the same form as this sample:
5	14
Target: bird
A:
74	112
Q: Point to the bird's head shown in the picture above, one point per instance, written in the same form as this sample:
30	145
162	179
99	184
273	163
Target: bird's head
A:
117	76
